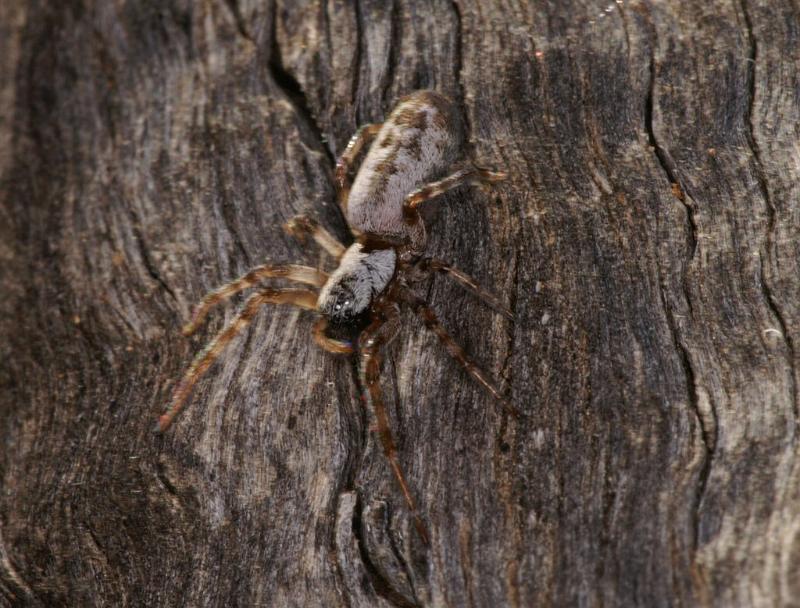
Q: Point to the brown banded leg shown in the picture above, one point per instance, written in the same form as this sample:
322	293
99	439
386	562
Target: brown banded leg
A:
337	347
472	175
303	298
432	264
361	137
454	350
293	272
302	227
377	335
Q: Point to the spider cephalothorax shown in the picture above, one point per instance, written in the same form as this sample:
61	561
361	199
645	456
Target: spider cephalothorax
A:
412	160
359	279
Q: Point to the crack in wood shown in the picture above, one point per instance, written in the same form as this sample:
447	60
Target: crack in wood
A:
233	5
761	177
662	156
708	428
147	262
395	40
506	369
459	66
377	555
708	435
293	92
357	71
10	578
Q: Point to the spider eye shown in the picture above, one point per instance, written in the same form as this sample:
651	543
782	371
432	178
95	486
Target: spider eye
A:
341	305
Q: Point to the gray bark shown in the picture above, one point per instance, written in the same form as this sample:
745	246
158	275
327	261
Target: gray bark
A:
646	241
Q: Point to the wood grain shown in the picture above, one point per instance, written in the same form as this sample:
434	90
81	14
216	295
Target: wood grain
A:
646	241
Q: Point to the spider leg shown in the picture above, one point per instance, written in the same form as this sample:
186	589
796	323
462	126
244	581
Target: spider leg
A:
471	175
337	347
379	333
454	350
302	226
293	272
363	136
432	264
302	298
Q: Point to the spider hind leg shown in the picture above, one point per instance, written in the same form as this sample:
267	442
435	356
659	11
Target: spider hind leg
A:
302	298
471	175
467	282
431	321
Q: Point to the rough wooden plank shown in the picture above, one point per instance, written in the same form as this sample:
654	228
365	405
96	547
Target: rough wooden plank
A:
646	241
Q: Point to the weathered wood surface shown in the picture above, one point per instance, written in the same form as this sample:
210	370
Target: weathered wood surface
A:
647	242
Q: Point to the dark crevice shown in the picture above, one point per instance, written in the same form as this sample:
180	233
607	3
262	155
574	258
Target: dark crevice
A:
396	549
350	474
355	457
394	48
459	66
604	540
326	27
94	539
776	311
771	212
12	585
507	370
291	88
398	553
381	586
664	160
708	435
233	5
357	70
624	19
148	263
162	477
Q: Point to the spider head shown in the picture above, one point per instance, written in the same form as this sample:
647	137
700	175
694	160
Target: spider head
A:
340	303
360	277
344	323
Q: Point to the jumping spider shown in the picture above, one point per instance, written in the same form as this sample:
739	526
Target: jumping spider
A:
359	302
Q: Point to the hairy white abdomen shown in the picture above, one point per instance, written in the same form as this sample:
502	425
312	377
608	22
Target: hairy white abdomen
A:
416	145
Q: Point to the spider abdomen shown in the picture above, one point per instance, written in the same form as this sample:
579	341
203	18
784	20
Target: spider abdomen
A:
418	143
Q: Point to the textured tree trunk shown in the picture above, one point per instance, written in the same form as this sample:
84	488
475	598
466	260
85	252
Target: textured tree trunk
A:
646	241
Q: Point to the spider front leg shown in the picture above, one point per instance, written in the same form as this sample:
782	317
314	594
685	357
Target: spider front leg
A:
302	298
293	272
377	335
472	175
362	137
454	350
302	226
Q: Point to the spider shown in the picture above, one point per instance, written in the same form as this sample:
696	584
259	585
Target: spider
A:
412	159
